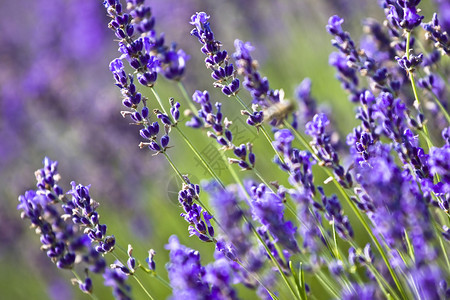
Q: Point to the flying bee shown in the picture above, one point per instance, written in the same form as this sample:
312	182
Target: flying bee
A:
278	112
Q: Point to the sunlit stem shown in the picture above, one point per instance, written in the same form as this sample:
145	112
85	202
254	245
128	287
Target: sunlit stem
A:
183	90
413	84
191	146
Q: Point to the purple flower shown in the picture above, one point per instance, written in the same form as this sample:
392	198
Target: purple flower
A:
201	227
360	292
199	20
403	14
267	209
70	231
334	25
186	273
217	60
439	162
220	275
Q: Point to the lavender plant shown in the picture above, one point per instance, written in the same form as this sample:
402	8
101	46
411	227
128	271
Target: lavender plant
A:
377	227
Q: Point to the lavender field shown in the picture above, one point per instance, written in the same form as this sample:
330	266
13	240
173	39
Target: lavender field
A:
189	149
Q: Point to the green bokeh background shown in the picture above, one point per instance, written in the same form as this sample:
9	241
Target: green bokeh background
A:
297	47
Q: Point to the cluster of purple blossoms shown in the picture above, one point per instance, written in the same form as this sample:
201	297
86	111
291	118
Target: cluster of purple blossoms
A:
324	150
437	35
201	227
223	72
190	280
146	54
277	109
268	209
207	118
403	13
235	244
70	231
132	99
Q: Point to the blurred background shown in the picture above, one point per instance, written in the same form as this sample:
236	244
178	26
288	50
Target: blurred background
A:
57	99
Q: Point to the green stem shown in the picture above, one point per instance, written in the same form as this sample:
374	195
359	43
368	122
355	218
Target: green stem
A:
133	274
174	167
189	143
238	180
153	273
380	279
142	286
236	96
441	107
186	97
330	290
164	282
413	84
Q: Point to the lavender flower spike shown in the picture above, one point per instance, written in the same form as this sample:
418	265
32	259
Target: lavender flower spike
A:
217	60
186	273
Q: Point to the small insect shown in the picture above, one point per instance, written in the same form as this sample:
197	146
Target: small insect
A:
278	111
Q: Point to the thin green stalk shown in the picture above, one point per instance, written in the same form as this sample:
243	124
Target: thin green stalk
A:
164	282
142	286
441	107
350	202
237	179
145	269
330	290
258	174
413	84
174	167
236	96
189	143
380	278
183	90
441	242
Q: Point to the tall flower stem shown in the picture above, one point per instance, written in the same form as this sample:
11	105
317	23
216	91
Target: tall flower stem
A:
441	107
189	143
255	232
273	259
183	90
414	88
